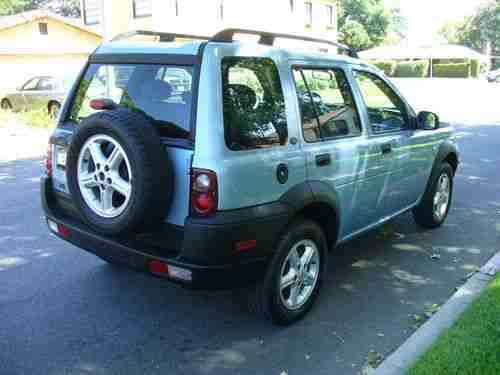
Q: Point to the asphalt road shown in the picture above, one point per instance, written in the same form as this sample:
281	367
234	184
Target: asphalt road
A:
63	311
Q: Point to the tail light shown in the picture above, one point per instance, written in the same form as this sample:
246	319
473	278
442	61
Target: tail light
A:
48	161
203	192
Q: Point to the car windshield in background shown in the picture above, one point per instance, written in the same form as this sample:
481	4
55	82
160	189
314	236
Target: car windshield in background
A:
161	93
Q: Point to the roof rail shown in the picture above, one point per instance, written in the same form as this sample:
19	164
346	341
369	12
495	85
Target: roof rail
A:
267	38
163	37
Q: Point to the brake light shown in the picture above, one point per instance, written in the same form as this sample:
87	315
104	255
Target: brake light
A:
48	161
203	192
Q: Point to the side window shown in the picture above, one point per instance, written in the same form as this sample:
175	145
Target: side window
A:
46	84
31	84
253	104
327	104
386	110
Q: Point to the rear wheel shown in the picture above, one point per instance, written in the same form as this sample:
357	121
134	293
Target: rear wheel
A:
119	175
435	205
54	109
294	275
5	105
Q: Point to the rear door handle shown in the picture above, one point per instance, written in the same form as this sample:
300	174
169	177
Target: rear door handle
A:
386	148
323	160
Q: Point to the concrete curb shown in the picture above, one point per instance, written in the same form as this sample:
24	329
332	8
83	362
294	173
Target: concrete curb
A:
417	344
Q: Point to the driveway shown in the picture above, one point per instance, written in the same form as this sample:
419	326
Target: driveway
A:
64	311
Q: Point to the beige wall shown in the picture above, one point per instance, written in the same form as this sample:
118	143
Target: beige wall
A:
203	17
24	52
61	38
16	69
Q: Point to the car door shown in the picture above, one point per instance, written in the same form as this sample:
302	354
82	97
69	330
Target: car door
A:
29	91
391	125
17	99
45	88
336	145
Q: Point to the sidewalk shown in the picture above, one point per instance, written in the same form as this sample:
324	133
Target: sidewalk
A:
408	353
22	142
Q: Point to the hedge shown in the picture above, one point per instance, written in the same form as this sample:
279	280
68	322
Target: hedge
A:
417	69
387	66
461	70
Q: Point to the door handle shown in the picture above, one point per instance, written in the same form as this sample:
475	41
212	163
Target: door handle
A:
323	160
386	148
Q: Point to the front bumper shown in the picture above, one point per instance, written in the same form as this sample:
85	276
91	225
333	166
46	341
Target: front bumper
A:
205	250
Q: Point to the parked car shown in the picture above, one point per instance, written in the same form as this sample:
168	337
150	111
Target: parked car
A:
267	161
494	76
38	92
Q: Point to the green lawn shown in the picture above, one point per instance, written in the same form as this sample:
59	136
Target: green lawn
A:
38	118
472	345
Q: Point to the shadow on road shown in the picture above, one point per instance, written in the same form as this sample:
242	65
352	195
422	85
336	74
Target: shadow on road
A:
88	317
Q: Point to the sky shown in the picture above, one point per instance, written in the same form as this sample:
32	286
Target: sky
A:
425	17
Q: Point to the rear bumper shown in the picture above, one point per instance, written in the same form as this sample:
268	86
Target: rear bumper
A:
206	248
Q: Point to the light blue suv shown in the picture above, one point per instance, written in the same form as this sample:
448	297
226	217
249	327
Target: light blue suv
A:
248	171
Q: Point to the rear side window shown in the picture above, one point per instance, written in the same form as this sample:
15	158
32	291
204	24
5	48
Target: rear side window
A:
327	104
253	104
161	93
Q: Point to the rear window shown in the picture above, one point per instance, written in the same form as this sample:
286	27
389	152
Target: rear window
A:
160	92
254	105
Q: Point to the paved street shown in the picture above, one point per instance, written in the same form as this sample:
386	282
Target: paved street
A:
63	311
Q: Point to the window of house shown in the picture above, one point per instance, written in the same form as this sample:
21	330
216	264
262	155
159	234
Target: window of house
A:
142	8
43	28
291	5
221	9
327	105
176	7
254	104
386	110
309	13
330	15
91	12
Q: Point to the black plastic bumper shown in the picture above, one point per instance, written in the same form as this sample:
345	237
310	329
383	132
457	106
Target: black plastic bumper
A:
206	247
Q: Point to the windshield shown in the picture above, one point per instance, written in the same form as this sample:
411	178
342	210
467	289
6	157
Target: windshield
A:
161	92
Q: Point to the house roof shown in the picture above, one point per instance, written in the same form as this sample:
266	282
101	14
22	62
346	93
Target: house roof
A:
7	22
440	51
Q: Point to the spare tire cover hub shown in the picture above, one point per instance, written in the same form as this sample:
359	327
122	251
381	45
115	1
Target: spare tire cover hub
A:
104	176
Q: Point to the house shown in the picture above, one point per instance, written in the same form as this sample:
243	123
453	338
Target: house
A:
42	43
311	17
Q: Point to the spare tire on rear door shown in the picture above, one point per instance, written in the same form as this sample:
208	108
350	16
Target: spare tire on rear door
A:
118	172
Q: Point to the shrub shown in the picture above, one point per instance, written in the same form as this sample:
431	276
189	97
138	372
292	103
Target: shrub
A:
414	69
387	66
451	70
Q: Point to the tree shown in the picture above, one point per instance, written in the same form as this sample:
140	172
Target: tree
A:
363	23
477	31
66	8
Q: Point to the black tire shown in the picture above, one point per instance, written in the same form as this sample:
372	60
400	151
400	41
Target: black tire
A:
54	108
265	300
153	176
424	213
5	105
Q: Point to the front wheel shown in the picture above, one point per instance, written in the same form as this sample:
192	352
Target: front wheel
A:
5	105
294	275
435	205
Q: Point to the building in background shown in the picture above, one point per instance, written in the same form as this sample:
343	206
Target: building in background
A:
41	43
311	17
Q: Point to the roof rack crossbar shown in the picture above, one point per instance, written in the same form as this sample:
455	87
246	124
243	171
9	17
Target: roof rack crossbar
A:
268	38
163	37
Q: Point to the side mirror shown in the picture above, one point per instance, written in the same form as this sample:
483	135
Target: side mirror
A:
428	121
